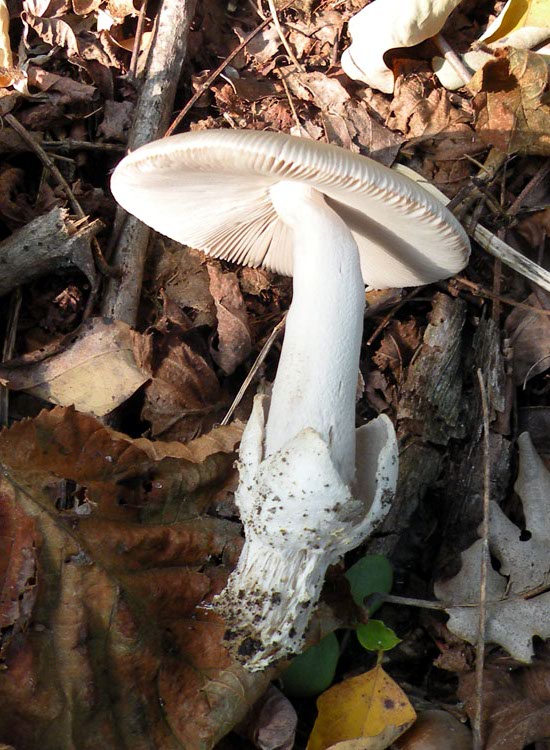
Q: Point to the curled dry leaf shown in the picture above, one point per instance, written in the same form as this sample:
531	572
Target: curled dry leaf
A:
529	335
382	26
106	606
184	395
516	703
510	100
362	713
96	370
234	342
516	612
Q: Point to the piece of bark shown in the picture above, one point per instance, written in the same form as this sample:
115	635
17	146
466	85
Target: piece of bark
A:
431	400
47	244
151	118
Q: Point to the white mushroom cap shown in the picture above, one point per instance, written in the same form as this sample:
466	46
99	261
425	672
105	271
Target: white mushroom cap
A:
210	190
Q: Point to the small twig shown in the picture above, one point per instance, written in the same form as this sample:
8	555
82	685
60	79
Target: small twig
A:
132	68
286	45
8	349
480	646
151	116
255	367
72	145
453	59
537	178
420	603
479	290
215	73
291	103
520	263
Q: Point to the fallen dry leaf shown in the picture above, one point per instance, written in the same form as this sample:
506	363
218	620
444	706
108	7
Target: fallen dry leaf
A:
234	342
513	114
107	645
516	703
96	370
184	397
512	619
529	335
362	713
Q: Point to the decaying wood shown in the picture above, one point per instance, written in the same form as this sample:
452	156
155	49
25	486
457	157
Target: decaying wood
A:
152	115
47	244
431	400
439	407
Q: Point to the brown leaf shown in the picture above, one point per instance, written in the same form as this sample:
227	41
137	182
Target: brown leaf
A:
117	120
399	343
234	342
96	369
419	109
117	650
516	704
512	112
61	88
53	31
184	397
529	335
183	274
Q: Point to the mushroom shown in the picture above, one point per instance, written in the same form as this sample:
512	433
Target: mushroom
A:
335	221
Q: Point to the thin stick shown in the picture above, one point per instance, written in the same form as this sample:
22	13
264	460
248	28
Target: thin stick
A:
156	98
132	68
72	145
482	292
500	249
9	348
255	367
286	45
419	603
531	185
215	73
480	646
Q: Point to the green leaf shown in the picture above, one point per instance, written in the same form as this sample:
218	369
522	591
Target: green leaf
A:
313	671
375	636
371	574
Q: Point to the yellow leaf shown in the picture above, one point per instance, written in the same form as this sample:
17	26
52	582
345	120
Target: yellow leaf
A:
516	15
363	713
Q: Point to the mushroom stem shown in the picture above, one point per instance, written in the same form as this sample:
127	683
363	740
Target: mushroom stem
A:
316	380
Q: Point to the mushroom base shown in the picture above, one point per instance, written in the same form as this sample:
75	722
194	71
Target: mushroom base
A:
299	518
269	600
